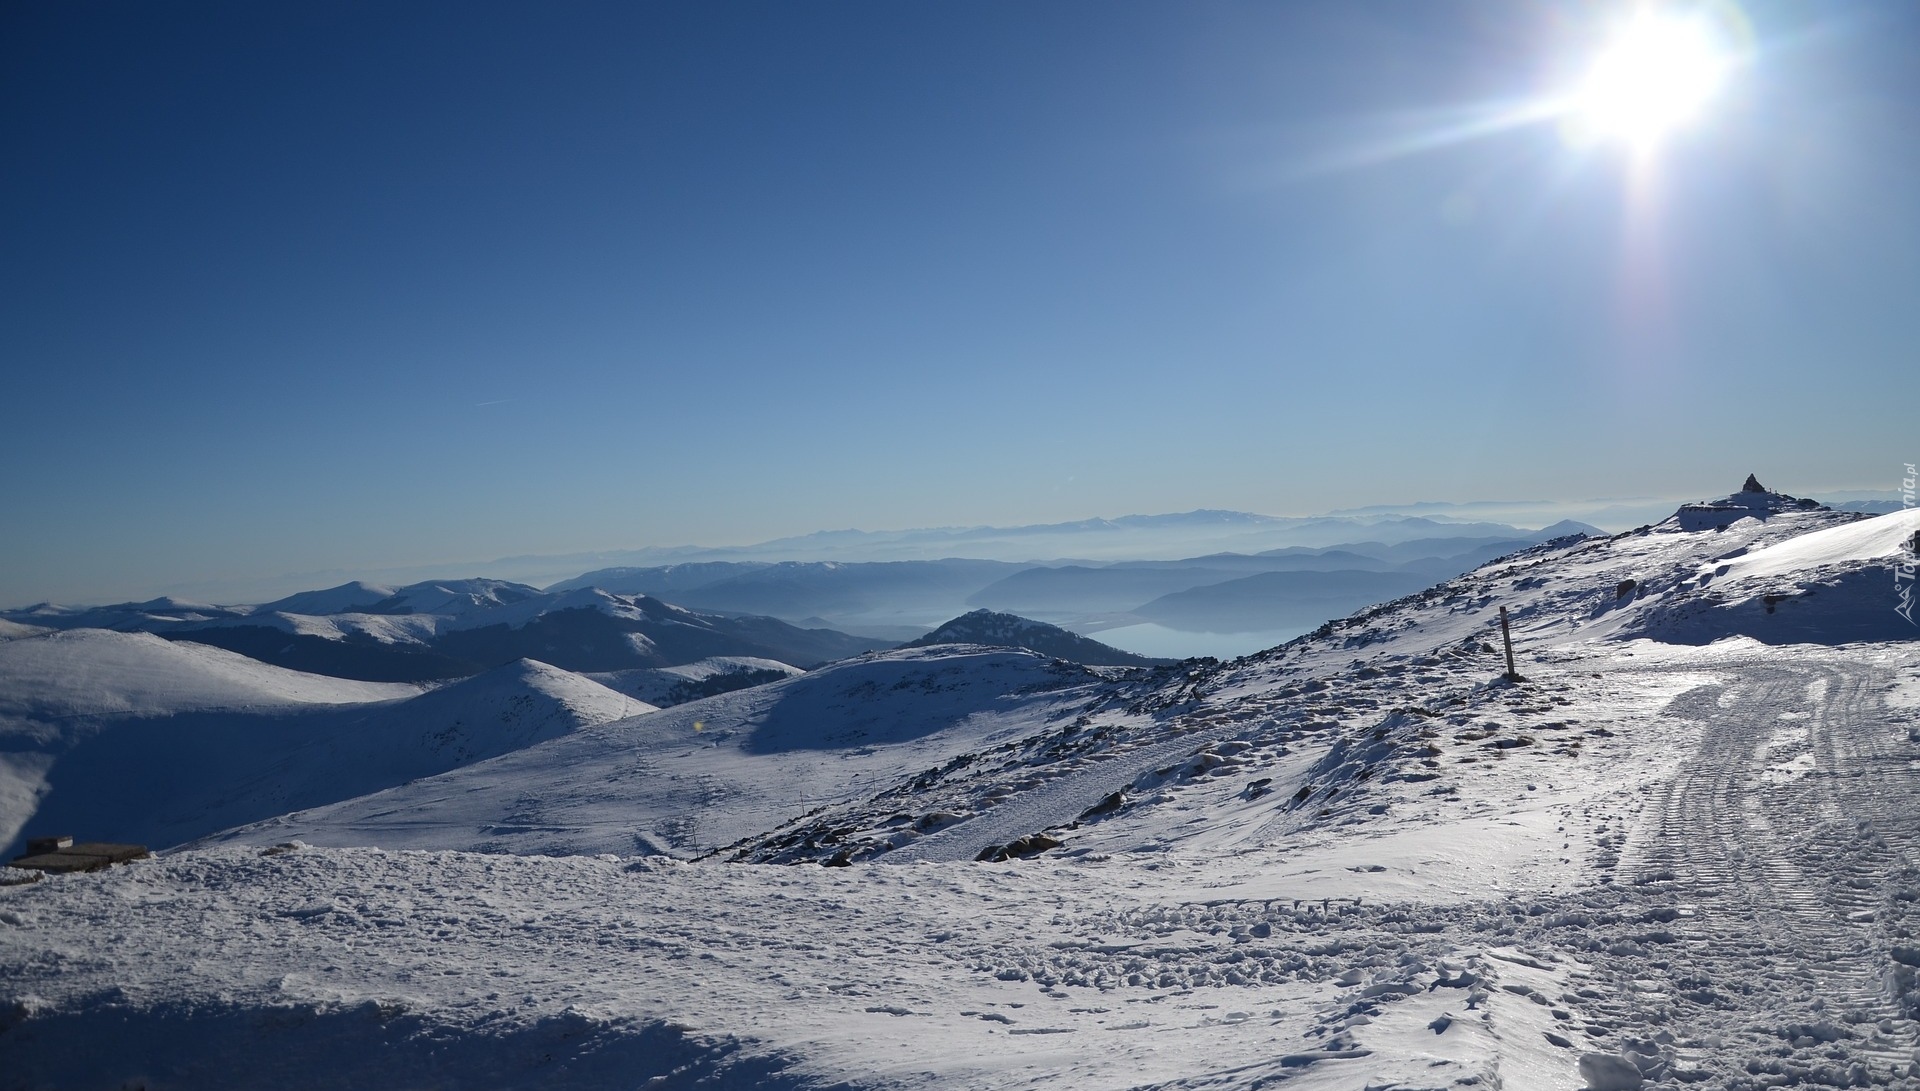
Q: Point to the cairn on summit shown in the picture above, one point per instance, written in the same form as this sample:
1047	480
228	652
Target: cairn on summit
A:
1753	501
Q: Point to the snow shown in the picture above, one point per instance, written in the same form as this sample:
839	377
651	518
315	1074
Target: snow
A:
1680	850
594	971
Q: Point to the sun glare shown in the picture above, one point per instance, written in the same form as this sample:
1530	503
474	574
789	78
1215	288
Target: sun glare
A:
1657	74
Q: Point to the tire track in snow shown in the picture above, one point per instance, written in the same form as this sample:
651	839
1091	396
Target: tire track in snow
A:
1792	876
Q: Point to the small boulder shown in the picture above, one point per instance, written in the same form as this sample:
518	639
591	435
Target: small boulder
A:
1019	848
1032	844
1606	1072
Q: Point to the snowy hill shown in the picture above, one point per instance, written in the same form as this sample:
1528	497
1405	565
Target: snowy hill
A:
1011	631
60	690
1364	859
127	736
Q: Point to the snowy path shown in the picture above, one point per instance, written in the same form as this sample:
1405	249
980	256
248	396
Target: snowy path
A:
1783	846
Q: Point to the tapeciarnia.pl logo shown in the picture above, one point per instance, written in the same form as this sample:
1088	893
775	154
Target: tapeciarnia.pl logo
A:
1903	573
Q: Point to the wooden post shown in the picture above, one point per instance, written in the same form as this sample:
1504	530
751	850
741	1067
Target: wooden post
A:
1506	637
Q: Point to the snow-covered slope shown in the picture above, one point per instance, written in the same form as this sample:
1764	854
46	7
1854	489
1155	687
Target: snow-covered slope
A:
1866	543
59	689
1839	585
701	776
125	736
13	630
1365	859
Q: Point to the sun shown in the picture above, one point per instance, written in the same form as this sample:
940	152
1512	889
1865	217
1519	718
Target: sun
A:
1656	74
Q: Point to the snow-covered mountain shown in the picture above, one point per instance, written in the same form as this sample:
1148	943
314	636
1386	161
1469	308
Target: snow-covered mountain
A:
1677	850
1012	631
455	628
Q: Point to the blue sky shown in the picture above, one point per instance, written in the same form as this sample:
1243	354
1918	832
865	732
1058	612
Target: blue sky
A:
302	286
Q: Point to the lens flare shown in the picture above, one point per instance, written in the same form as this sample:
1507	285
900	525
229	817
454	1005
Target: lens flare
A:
1657	74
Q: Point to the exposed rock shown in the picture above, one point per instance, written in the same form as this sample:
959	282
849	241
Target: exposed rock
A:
1606	1072
1021	848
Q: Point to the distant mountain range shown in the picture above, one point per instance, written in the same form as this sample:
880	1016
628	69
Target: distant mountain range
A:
1131	537
896	599
1126	538
801	613
900	599
455	628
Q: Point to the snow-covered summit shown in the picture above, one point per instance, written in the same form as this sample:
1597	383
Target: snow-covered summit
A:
354	597
1012	631
1752	501
453	598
